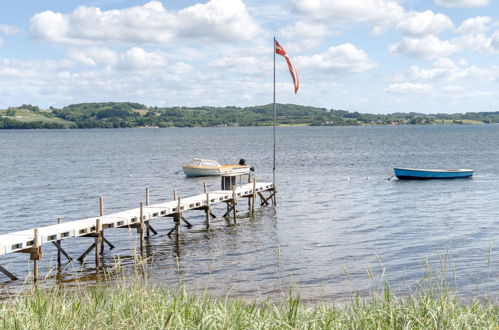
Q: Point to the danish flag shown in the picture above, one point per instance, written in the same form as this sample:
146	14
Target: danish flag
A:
280	51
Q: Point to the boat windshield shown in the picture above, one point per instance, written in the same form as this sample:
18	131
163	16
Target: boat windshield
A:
196	162
210	163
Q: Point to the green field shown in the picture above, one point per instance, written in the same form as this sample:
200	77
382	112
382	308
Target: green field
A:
29	117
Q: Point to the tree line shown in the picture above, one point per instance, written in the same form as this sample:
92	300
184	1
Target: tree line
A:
128	114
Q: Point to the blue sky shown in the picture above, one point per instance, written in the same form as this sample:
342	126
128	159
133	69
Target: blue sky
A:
376	56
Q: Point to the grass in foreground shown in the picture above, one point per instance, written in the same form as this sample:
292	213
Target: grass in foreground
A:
138	306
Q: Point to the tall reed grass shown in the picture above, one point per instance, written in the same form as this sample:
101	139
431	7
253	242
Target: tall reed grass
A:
125	300
136	305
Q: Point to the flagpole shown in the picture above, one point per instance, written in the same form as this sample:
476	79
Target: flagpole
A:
274	122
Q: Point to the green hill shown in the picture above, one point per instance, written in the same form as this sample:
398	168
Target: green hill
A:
127	114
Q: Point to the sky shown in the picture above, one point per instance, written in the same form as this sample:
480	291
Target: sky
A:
374	56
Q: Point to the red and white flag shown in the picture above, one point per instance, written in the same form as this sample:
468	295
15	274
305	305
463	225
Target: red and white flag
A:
280	51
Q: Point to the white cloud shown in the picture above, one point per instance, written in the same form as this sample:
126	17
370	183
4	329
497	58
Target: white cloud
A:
93	56
338	59
447	71
428	47
245	64
462	3
348	11
408	88
305	35
494	41
138	59
476	42
424	23
302	29
8	29
216	20
475	25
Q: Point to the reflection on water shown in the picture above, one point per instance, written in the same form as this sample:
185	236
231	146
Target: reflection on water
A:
338	220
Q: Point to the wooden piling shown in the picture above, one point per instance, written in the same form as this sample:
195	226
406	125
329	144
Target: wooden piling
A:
101	213
253	197
207	209
98	242
8	274
234	203
174	194
148	232
101	206
142	227
59	221
178	216
35	255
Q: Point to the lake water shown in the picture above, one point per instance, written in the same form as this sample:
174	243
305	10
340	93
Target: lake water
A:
340	226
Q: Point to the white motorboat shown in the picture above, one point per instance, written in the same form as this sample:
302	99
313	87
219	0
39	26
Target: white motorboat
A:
207	167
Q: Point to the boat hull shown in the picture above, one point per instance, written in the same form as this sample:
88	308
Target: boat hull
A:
199	171
194	171
423	174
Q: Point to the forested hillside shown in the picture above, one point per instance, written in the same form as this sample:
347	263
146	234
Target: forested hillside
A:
126	114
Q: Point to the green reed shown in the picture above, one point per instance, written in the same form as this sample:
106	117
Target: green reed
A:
129	301
137	305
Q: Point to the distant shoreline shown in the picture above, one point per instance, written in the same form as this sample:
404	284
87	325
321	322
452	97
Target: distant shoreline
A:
249	126
126	114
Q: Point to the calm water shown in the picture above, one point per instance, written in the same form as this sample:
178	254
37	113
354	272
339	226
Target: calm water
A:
338	215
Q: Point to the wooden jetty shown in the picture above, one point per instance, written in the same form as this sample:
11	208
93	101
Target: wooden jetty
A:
30	241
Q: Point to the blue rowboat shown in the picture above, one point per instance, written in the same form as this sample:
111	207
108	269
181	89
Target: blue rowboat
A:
421	174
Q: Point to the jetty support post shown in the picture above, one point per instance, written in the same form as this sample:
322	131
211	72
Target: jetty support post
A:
207	209
249	198
35	254
98	242
60	250
176	217
142	227
8	274
59	220
147	204
101	213
104	239
265	200
234	203
253	196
